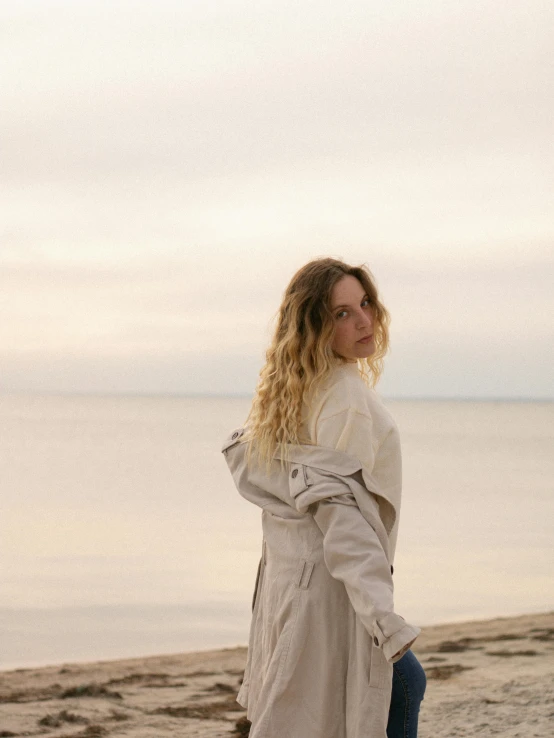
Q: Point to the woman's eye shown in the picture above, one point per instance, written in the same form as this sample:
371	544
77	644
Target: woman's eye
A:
365	302
341	314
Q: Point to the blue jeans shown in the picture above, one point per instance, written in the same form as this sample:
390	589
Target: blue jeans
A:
408	688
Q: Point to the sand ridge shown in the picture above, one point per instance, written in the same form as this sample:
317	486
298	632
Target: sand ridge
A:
493	677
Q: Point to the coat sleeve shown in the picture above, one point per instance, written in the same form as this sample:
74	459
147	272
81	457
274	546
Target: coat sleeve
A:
352	549
353	554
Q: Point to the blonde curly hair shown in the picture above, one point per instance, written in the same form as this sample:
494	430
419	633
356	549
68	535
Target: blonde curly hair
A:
300	356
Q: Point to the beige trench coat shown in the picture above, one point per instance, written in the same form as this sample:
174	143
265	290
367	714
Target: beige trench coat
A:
324	632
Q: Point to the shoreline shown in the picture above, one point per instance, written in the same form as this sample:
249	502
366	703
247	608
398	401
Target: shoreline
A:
485	677
84	662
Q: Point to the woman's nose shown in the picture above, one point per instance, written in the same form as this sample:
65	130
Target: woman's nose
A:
364	320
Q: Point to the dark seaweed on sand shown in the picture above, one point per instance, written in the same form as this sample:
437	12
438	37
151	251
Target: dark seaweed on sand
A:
55	721
90	690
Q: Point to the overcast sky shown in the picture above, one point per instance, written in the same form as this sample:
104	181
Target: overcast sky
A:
167	166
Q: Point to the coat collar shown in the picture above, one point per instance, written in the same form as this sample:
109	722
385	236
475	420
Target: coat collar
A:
325	459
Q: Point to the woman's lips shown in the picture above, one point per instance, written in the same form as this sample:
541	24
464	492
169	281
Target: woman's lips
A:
367	339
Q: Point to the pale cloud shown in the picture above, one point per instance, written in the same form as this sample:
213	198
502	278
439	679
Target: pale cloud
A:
167	166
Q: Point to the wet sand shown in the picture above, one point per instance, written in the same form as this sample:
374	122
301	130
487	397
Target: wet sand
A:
493	677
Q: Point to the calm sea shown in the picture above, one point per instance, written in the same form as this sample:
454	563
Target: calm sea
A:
121	533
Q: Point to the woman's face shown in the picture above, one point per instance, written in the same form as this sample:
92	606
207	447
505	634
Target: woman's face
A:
353	317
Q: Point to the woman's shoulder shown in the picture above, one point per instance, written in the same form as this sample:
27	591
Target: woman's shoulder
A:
345	391
345	413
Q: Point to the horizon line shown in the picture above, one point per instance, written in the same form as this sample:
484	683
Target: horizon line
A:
247	396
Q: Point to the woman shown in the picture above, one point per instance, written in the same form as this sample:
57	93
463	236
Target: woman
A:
328	656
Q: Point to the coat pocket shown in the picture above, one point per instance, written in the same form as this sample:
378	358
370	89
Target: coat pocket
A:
304	574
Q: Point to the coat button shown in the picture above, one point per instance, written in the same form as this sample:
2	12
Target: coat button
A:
294	473
375	641
391	569
235	435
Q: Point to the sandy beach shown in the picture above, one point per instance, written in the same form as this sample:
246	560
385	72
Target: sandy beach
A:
492	677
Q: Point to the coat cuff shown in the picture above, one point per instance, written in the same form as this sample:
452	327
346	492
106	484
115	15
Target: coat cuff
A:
394	635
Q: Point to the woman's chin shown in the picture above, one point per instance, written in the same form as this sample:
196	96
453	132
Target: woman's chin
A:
366	351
